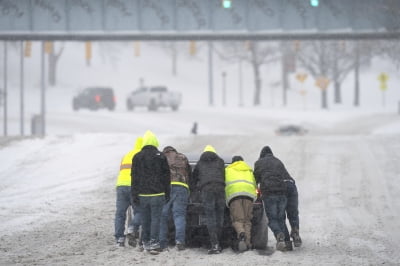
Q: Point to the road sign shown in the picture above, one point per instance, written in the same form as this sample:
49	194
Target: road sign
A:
383	78
301	77
322	83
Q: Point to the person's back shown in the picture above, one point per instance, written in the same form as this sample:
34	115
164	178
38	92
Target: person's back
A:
209	178
270	173
180	171
240	192
124	200
150	189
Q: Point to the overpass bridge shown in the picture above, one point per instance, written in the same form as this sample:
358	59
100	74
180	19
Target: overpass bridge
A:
85	20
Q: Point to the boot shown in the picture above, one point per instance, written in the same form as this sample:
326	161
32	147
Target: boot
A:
280	242
121	242
296	237
289	245
242	246
131	240
215	249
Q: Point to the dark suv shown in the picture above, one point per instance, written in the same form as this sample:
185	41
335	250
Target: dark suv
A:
196	229
95	98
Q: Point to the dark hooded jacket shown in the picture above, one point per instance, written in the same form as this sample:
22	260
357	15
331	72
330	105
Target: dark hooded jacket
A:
150	171
270	173
209	173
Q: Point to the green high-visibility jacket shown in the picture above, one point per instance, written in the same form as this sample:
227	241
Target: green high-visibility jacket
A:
239	181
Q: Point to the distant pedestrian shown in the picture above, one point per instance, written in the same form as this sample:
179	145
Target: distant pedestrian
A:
180	175
209	178
240	192
150	189
270	173
194	128
124	200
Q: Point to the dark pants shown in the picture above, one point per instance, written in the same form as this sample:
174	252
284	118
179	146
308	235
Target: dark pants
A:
275	206
292	207
214	208
150	209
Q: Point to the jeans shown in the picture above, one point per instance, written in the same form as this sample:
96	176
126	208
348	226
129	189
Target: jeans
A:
177	204
292	207
134	226
275	206
214	208
150	209
122	204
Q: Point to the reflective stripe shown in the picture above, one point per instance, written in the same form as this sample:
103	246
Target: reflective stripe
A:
180	184
152	195
125	166
239	181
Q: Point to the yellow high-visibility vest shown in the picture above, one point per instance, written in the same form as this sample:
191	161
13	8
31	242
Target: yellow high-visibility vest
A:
124	177
239	181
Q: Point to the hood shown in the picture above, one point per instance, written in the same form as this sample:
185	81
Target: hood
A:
150	139
168	149
266	151
209	148
240	166
138	144
208	156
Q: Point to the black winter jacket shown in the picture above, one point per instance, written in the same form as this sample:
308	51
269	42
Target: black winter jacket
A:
150	173
271	174
209	173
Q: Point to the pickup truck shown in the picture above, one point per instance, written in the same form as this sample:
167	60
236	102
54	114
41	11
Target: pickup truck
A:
153	98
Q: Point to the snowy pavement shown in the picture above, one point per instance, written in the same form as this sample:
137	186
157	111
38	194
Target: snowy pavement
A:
57	194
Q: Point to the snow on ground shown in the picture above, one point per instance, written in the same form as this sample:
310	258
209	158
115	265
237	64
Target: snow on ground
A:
57	194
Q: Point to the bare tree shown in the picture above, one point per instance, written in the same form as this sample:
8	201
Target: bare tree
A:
253	52
53	58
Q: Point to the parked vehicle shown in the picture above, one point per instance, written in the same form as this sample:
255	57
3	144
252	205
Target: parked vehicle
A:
153	98
94	98
196	229
290	130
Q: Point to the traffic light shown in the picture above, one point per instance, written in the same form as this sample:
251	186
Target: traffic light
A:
226	3
28	49
88	52
192	48
137	49
314	3
48	47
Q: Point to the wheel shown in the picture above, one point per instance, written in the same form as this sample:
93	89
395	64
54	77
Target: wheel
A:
75	105
152	105
129	105
174	107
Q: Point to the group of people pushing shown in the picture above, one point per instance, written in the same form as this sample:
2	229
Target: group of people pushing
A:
158	183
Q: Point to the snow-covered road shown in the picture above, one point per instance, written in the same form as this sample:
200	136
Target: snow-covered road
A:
57	196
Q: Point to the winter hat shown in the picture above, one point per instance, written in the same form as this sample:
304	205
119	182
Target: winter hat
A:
237	158
266	150
169	149
209	148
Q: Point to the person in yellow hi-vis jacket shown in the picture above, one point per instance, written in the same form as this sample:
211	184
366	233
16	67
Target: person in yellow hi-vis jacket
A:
240	193
124	199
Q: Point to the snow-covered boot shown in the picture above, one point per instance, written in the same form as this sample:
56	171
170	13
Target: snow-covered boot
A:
296	237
